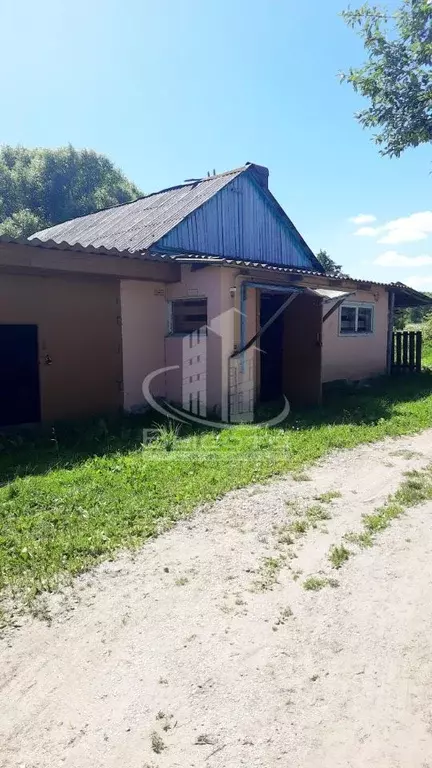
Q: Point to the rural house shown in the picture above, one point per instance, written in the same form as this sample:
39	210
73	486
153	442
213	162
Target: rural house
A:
91	307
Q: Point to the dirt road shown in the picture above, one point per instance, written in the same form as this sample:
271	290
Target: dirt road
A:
206	650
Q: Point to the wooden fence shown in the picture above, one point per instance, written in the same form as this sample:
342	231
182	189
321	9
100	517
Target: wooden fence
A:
406	351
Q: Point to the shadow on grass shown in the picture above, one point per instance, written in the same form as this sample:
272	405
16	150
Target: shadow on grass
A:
33	451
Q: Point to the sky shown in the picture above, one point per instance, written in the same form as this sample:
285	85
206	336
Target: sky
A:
172	89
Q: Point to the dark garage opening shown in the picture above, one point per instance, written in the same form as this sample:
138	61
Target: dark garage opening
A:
290	359
19	375
271	346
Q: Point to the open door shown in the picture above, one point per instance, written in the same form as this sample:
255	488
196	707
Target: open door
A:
302	346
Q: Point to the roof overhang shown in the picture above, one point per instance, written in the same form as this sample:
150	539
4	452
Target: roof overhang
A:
406	297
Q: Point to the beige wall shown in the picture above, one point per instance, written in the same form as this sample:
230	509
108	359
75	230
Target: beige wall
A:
79	329
356	357
144	325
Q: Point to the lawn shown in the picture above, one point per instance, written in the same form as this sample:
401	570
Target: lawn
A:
72	496
427	354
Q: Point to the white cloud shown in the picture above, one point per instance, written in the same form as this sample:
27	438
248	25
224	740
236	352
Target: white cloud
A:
418	226
395	259
367	232
363	218
407	229
420	282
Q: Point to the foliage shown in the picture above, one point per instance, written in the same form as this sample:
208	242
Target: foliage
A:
330	266
397	76
72	497
42	187
427	328
401	319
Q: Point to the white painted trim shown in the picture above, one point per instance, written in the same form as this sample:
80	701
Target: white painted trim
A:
356	305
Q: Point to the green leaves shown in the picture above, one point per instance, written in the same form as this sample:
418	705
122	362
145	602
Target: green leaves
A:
42	187
397	76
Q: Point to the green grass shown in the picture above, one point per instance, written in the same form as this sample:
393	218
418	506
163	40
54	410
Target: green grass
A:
339	555
315	583
74	496
427	354
416	489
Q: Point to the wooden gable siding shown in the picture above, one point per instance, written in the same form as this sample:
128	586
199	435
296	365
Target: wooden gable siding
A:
239	223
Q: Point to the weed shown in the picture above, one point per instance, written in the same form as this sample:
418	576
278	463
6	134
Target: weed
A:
268	573
284	615
316	513
204	738
363	539
181	581
283	535
167	436
406	454
328	496
157	743
163	681
301	477
299	526
39	609
314	583
339	555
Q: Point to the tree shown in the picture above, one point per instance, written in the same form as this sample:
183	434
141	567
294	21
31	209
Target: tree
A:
397	77
330	267
42	187
428	327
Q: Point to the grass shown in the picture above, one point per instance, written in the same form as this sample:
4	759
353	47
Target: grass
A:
75	495
339	555
316	512
157	743
315	583
427	353
268	573
328	496
416	489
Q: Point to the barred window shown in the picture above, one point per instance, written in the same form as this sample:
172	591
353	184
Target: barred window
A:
188	315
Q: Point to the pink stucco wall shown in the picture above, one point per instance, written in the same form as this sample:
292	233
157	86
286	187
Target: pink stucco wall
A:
356	357
144	324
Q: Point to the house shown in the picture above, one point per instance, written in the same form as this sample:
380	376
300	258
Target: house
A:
89	309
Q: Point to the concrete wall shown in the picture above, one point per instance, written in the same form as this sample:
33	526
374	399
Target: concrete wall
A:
79	329
144	325
356	357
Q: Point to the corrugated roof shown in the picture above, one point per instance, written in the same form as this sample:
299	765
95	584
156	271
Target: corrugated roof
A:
199	259
135	226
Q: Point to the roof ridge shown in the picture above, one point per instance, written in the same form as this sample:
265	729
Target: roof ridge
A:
185	184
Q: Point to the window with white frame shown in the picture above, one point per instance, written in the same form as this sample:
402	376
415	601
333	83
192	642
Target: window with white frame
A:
356	319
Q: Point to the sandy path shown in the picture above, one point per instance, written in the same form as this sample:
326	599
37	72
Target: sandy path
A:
179	643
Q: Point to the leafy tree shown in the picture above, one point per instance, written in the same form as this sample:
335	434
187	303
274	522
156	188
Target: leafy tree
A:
401	319
42	187
397	76
428	328
330	266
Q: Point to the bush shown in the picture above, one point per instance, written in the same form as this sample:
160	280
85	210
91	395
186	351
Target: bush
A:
427	332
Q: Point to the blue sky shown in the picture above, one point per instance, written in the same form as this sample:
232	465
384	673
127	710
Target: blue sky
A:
174	88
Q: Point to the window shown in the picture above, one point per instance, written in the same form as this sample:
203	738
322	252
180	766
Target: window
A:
356	319
188	315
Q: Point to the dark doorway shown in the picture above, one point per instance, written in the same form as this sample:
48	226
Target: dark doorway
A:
19	375
271	346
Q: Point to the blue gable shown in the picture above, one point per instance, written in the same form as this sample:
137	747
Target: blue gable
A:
242	221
